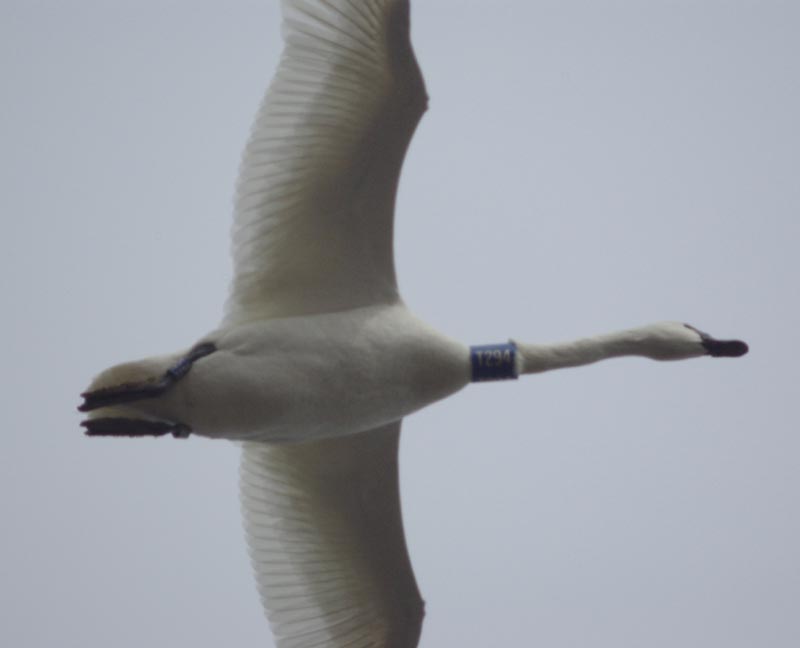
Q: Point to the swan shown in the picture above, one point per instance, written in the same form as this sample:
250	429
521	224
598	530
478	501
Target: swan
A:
317	359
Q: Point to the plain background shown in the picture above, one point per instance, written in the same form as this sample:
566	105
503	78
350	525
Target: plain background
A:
585	166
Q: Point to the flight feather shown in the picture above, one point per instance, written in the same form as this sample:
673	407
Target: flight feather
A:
313	218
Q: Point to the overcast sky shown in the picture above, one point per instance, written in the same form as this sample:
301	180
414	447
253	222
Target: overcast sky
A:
584	166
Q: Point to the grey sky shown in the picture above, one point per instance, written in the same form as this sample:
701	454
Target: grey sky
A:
585	166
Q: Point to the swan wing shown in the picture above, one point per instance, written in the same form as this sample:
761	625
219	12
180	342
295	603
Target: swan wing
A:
326	540
314	205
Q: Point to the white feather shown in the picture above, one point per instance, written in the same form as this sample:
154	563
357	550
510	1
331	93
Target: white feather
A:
315	199
326	539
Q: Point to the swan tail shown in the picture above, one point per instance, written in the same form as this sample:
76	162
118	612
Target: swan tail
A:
125	400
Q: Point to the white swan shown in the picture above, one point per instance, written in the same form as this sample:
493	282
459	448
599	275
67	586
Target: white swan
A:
317	346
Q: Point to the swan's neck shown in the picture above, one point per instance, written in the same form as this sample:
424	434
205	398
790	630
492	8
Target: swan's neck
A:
662	341
536	358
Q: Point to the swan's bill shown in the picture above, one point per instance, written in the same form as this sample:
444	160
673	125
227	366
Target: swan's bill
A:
721	348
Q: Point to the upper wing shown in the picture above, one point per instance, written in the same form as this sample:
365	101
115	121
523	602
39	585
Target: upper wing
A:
315	199
326	540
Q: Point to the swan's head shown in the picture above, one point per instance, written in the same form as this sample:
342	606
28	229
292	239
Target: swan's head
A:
677	341
720	348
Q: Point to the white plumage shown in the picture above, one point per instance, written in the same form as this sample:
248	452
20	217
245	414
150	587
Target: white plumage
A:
326	540
317	359
337	118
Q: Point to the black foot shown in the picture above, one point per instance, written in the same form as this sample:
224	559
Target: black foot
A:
126	393
131	392
124	427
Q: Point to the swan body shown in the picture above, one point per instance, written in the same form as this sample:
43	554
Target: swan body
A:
317	359
300	378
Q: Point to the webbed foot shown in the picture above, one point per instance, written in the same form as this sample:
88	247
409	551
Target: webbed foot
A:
126	427
130	392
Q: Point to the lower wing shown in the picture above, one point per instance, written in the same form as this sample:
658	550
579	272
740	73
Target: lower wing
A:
326	540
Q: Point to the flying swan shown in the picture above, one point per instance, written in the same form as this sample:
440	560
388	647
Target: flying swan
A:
317	359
